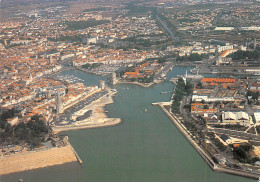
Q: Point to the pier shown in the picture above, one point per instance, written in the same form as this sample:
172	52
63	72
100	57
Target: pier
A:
203	153
174	80
162	103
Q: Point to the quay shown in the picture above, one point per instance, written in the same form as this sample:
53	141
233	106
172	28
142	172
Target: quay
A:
182	129
209	160
100	119
107	123
174	80
59	71
161	103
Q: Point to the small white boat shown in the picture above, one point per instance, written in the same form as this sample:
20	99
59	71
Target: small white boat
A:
145	109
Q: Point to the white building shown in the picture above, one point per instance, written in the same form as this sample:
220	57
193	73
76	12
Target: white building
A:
92	40
223	48
253	28
224	28
199	98
13	121
242	48
234	118
257	117
67	56
12	42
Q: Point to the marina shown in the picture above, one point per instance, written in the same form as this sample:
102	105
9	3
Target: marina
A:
146	146
68	79
130	91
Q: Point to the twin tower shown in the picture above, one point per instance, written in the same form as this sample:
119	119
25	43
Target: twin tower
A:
102	85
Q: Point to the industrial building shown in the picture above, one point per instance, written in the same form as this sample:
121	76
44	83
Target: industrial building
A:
236	118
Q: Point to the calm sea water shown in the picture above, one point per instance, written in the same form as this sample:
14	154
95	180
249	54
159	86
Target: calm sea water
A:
145	147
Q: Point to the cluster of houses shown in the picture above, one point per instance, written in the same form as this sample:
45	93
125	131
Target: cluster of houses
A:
222	101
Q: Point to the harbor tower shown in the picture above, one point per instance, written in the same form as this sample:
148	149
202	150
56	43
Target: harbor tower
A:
102	84
59	104
113	79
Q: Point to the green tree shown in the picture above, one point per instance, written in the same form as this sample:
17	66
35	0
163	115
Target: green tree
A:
200	84
240	55
205	107
189	87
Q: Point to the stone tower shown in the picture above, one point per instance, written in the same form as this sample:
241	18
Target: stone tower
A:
113	79
59	104
102	84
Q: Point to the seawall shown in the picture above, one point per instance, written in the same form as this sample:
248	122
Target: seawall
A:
203	154
111	122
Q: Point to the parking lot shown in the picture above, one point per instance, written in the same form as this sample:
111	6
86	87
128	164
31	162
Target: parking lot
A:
66	116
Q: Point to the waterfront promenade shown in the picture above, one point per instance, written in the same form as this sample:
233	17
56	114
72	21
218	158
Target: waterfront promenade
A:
144	145
106	122
137	83
209	160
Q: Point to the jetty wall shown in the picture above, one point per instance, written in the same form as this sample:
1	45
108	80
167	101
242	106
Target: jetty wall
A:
214	166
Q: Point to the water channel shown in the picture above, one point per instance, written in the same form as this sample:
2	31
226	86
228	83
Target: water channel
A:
145	147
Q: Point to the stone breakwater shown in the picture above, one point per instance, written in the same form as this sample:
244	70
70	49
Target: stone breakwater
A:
214	166
106	122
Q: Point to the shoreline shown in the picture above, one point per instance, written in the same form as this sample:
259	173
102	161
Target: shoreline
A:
112	122
203	154
38	159
53	156
136	83
102	120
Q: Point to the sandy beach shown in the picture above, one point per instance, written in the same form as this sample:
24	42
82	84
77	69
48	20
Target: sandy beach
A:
58	155
36	159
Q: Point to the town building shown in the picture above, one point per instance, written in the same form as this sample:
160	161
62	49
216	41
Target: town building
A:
241	118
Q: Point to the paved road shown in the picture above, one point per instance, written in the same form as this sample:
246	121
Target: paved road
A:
233	133
167	28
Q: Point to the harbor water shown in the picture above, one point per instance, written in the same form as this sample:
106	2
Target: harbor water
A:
145	147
